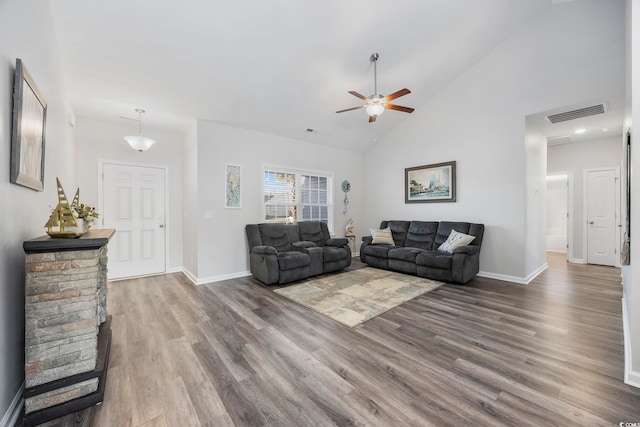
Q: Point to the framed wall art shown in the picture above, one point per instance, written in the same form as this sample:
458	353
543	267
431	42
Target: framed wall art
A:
27	139
233	187
430	183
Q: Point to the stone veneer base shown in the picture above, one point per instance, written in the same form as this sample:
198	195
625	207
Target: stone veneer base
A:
99	374
65	304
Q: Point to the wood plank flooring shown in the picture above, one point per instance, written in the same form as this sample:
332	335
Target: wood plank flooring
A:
489	353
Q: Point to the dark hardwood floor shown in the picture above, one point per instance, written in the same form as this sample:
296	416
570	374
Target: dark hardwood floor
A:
489	353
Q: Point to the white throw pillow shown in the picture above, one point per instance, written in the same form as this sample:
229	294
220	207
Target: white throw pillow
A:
382	237
455	240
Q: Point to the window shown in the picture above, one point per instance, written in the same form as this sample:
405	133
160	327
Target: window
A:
292	196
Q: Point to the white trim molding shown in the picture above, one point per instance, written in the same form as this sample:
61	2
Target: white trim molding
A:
631	377
207	280
10	417
514	279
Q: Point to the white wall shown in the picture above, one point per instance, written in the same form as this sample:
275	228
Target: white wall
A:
190	200
536	201
222	243
26	32
577	157
631	274
102	140
479	121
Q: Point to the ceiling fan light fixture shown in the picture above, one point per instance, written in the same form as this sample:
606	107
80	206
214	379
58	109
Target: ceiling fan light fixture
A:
374	109
139	142
375	104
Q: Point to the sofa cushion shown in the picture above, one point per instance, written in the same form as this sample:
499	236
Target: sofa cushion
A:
404	254
275	235
380	251
421	234
292	259
455	240
434	259
382	237
332	253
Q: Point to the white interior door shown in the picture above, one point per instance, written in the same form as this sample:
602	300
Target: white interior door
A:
133	204
601	199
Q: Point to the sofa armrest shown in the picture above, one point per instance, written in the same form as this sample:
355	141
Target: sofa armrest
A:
303	244
337	241
467	250
367	239
265	250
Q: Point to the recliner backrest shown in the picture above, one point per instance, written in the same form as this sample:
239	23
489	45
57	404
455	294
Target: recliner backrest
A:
399	230
421	234
445	227
314	231
280	236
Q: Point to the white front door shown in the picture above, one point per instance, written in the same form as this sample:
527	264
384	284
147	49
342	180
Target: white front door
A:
601	200
133	204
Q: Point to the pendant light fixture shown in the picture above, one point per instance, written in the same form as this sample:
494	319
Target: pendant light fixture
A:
139	142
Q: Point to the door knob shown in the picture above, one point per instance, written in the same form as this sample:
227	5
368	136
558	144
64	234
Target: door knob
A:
162	225
591	222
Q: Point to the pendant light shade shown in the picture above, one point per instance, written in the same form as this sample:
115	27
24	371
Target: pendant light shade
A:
139	142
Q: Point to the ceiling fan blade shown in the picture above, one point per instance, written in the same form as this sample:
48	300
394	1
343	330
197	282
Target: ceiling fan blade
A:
357	95
372	119
350	109
398	94
399	108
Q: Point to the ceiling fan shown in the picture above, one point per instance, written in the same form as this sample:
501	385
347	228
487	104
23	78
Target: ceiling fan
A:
375	104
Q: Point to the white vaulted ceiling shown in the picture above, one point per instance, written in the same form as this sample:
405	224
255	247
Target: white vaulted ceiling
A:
278	66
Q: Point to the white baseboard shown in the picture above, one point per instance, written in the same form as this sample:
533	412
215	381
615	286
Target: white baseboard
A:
631	377
15	409
577	261
190	276
502	277
175	270
212	279
514	279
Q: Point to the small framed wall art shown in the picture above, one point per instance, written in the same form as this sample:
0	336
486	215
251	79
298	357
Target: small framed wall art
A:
27	139
233	187
430	183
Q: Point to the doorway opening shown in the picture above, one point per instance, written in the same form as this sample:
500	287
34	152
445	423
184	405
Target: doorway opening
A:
559	215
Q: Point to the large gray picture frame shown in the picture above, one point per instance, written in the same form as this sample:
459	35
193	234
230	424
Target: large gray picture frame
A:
28	135
434	183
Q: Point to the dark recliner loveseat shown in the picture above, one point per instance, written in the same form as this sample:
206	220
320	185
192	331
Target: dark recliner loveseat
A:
282	253
416	250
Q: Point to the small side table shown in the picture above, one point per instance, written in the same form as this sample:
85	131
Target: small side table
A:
352	244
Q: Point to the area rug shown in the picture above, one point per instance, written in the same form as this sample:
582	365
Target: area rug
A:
356	296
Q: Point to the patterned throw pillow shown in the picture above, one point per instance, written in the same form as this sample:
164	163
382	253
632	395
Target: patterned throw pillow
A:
455	240
382	237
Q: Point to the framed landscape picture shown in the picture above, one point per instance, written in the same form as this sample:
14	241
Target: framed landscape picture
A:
233	175
430	183
27	139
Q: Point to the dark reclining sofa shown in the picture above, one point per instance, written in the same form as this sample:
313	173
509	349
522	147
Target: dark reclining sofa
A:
283	253
415	250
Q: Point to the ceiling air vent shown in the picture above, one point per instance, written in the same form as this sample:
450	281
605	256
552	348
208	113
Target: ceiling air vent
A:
559	140
577	114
